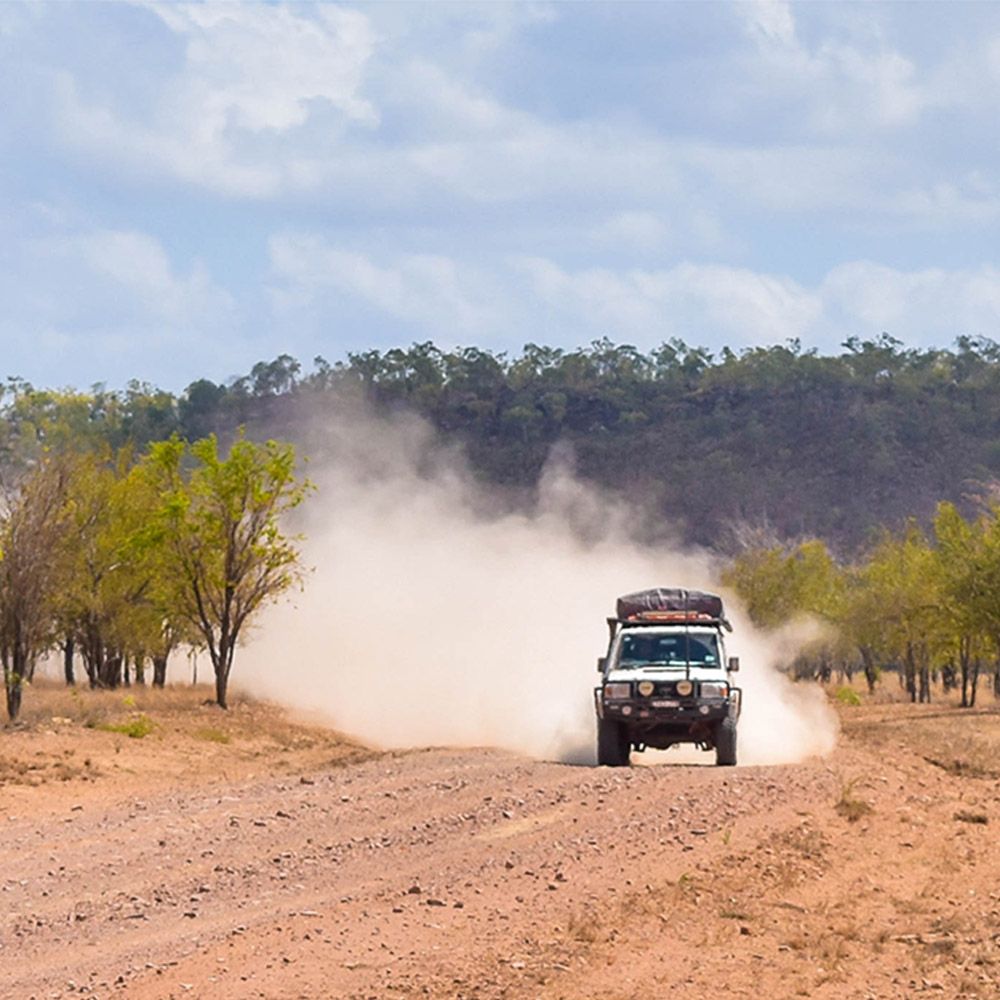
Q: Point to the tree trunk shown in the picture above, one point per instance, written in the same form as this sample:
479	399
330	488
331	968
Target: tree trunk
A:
140	670
964	665
910	671
92	651
925	673
68	661
13	676
221	684
14	691
111	669
871	674
223	664
159	671
973	682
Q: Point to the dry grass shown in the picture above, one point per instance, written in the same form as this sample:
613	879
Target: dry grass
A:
212	735
849	806
43	768
61	726
142	725
961	741
584	927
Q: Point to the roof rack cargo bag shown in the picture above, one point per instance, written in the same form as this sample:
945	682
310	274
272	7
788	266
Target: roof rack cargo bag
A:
669	599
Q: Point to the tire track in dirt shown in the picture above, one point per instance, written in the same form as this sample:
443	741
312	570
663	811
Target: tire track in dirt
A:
489	840
477	874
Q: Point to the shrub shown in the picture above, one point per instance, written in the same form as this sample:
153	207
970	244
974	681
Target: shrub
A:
136	729
847	696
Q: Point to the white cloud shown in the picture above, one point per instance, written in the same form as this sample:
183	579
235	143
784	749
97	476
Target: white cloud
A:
526	298
259	66
729	305
359	110
251	73
427	290
499	172
930	306
772	22
641	230
135	270
109	305
853	79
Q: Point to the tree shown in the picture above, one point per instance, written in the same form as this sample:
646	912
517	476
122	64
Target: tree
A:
108	603
902	576
33	526
224	548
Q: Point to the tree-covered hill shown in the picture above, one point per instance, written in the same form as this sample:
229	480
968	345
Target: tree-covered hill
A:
775	437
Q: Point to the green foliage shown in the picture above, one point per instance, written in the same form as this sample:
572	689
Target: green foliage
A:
778	585
218	528
846	448
134	729
34	525
847	696
828	447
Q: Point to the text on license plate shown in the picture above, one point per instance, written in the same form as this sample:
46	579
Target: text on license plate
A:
666	704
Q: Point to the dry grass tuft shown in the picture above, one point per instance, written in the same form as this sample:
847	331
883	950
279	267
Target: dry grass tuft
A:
134	729
212	736
850	807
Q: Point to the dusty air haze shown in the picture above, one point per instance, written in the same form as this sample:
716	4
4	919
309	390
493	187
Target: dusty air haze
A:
428	620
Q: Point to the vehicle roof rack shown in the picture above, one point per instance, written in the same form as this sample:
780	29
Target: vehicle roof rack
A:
649	619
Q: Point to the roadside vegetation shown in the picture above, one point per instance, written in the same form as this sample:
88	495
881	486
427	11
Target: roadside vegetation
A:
117	557
858	490
923	607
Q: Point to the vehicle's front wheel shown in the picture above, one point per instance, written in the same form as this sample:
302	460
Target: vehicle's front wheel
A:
613	744
725	742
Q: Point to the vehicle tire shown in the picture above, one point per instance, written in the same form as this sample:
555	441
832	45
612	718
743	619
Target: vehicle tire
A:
613	744
725	742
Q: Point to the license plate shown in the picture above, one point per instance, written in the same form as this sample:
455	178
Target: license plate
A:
666	704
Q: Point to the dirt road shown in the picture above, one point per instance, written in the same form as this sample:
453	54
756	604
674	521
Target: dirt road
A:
239	866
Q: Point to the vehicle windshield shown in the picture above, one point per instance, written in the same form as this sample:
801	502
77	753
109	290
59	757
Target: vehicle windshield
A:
640	649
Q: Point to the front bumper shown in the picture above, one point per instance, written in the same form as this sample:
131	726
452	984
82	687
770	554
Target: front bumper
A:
666	707
641	710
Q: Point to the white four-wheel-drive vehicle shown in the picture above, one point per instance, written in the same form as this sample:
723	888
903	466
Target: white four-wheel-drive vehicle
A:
665	678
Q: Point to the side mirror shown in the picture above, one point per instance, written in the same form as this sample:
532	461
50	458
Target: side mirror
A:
601	663
734	664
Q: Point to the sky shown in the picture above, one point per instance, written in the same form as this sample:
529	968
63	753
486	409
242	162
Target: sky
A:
186	190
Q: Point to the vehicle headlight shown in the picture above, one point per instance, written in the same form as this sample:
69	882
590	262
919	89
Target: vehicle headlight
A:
684	688
646	688
714	690
617	690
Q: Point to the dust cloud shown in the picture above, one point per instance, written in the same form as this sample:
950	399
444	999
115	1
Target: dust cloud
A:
430	619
